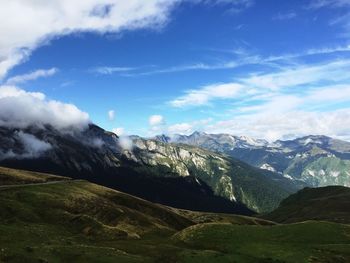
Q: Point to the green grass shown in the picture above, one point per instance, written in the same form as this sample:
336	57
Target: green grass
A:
76	221
303	242
331	203
12	177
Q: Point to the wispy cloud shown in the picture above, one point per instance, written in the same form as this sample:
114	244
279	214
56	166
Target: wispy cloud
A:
40	73
261	85
243	58
341	19
111	115
284	16
293	101
233	6
57	18
315	4
205	94
110	70
183	68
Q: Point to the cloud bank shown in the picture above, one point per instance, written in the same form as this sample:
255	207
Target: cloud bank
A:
21	109
292	101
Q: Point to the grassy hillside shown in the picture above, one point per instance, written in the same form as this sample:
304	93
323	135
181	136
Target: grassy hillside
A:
12	177
77	221
303	242
331	203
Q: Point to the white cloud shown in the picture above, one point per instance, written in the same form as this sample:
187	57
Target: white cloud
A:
205	94
300	75
119	131
32	147
263	86
180	128
234	6
156	120
28	24
111	70
273	126
126	143
31	76
32	144
20	109
315	4
111	115
295	100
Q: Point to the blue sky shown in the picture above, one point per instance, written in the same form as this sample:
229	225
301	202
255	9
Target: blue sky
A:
269	69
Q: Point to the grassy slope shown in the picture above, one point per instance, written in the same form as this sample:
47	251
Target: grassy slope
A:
302	242
76	221
330	203
12	176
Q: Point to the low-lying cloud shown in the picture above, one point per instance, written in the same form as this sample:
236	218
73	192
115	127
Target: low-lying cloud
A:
21	109
32	147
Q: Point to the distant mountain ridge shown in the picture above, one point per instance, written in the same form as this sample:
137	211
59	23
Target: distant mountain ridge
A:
177	175
316	160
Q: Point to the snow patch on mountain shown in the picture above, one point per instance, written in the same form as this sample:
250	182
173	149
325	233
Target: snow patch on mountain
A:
334	173
267	166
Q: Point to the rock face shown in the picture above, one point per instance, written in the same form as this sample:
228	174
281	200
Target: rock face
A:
177	175
231	179
314	160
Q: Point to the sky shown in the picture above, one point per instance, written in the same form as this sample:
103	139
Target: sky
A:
262	68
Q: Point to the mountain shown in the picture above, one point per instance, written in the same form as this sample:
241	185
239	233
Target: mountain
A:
331	203
177	175
98	156
315	160
260	190
47	218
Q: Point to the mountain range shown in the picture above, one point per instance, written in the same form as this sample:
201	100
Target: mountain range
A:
314	160
205	172
178	175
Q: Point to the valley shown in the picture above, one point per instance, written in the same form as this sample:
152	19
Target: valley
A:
70	220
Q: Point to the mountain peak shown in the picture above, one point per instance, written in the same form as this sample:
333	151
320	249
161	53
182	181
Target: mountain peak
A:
198	133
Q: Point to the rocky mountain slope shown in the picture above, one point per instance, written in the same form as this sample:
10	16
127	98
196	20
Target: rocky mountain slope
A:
315	160
231	179
98	156
181	176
